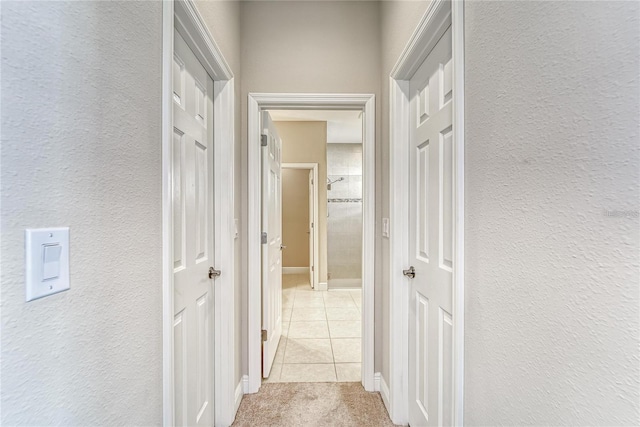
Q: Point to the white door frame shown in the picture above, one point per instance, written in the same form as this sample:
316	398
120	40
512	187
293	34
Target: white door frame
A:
439	15
313	167
258	102
183	16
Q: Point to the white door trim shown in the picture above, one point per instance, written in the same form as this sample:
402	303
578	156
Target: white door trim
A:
183	16
439	15
262	101
316	256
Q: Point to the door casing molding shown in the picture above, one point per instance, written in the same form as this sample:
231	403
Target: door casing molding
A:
183	16
439	16
313	167
258	102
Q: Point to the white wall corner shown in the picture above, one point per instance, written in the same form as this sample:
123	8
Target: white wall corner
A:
376	381
384	391
243	384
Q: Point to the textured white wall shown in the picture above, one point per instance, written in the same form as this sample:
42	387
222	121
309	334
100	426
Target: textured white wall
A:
552	142
312	46
81	88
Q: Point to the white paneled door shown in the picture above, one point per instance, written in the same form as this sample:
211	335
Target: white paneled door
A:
193	257
271	243
431	240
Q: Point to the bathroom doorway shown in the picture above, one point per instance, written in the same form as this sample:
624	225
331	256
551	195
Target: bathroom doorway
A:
321	317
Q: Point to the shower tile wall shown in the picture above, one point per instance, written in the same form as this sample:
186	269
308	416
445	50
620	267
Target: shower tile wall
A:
344	224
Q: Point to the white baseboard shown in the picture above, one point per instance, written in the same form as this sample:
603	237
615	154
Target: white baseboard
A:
322	286
295	270
239	394
245	384
376	381
384	393
345	283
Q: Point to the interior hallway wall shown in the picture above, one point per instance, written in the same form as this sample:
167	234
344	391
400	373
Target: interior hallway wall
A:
398	20
552	200
222	18
295	217
81	147
73	166
312	46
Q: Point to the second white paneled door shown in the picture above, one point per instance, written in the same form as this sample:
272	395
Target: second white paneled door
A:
431	240
271	243
193	252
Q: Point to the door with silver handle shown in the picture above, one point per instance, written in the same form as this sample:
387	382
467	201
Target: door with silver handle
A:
410	273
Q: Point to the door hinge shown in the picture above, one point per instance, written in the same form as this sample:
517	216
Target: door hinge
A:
263	140
311	225
312	268
264	335
263	238
311	181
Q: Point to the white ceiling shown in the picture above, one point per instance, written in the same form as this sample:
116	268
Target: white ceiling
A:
343	127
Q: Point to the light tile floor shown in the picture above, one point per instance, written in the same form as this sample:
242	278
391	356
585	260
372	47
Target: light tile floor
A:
321	334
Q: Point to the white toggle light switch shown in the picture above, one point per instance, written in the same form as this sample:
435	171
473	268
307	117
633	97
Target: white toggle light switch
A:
51	261
47	261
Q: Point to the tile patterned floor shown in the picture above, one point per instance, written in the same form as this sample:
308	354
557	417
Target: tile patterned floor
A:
321	334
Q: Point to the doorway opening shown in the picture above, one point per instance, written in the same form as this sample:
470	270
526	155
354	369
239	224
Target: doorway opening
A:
300	229
317	316
321	320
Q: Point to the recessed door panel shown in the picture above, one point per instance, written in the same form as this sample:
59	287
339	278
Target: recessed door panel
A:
422	201
180	368
445	369
201	175
203	397
178	200
422	354
200	103
446	79
445	233
423	104
178	81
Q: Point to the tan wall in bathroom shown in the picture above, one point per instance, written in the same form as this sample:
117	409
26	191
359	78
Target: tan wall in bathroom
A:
295	217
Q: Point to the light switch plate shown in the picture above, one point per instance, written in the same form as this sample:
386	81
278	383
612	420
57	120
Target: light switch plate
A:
46	261
385	227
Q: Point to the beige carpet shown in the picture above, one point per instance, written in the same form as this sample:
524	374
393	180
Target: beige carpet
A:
312	404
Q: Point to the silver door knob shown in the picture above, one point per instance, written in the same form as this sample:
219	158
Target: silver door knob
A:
283	247
410	273
213	273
